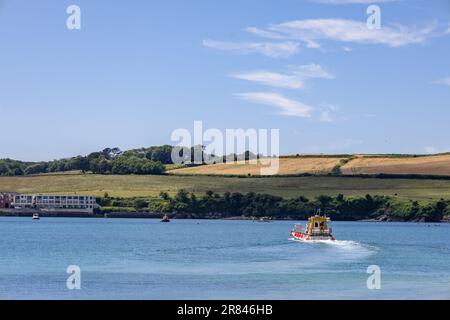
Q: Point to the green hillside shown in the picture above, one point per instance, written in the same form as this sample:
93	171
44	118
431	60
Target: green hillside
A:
287	187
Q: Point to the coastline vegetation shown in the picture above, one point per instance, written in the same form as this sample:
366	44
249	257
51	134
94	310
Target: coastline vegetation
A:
252	205
291	197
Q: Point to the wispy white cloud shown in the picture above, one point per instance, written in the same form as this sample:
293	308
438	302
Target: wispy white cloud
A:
286	107
293	78
443	81
325	116
286	38
311	71
309	43
312	31
272	79
269	49
325	113
265	34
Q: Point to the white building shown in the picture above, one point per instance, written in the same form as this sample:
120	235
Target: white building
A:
55	203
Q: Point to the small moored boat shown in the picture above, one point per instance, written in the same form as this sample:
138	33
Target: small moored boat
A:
317	228
36	216
165	218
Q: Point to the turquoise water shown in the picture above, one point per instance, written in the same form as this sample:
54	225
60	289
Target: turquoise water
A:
192	259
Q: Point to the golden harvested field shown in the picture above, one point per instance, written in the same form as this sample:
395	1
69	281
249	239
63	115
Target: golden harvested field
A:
430	165
359	164
288	166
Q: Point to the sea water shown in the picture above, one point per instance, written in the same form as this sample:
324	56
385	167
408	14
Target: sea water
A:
216	259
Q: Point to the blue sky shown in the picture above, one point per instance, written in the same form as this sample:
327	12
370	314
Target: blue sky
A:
137	70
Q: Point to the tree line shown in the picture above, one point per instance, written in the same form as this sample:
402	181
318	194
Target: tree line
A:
150	160
108	161
255	205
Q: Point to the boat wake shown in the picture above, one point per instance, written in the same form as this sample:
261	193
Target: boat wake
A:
338	243
345	248
341	244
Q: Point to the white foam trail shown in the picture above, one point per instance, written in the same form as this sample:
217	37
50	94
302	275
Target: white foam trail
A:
340	243
330	242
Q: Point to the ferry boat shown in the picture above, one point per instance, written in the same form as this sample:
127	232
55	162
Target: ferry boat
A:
317	228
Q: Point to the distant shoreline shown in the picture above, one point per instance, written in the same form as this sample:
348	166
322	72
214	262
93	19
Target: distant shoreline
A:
158	216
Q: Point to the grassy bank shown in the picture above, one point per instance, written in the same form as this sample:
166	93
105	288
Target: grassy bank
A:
129	186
